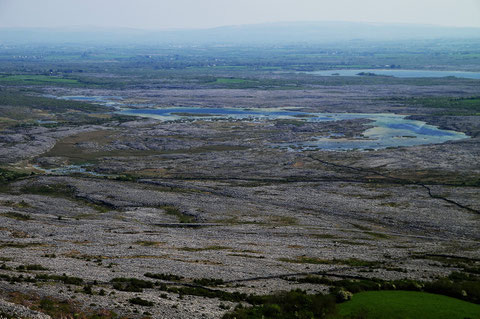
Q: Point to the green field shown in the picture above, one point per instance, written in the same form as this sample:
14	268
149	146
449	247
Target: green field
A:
35	79
407	305
232	81
448	105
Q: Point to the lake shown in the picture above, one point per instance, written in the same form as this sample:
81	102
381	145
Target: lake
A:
400	73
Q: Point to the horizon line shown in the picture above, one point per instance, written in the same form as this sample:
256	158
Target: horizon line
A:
238	25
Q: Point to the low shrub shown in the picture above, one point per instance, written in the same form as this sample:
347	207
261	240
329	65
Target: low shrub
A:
167	277
208	282
31	267
286	305
131	284
141	302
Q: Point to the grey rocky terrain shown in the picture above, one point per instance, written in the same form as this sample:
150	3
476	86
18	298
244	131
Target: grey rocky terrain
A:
217	200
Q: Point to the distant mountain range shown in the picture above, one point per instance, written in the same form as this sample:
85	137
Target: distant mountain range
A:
271	33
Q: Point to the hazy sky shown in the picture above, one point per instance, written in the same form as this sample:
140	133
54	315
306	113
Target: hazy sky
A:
158	14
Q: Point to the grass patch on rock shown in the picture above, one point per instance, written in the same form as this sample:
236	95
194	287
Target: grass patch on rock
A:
17	216
182	218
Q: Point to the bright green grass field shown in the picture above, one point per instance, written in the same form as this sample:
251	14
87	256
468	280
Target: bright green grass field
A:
35	79
408	305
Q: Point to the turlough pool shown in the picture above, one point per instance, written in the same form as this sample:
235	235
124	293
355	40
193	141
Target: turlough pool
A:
385	130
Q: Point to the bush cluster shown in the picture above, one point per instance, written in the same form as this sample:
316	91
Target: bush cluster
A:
287	305
131	284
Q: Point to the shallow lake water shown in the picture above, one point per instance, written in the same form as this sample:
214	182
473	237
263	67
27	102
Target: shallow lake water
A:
112	101
389	130
400	73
